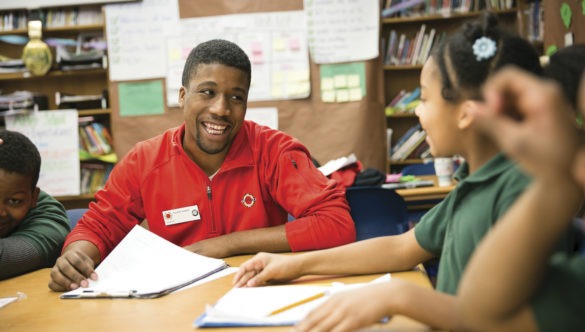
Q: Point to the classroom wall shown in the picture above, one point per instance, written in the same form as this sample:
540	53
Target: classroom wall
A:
562	18
329	130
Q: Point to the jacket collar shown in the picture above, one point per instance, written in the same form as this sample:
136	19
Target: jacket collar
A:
240	153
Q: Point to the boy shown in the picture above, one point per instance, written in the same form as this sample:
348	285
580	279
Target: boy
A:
33	225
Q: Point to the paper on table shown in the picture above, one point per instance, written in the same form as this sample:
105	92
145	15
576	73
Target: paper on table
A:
252	306
146	265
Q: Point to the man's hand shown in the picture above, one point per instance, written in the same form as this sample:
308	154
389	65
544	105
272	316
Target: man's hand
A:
265	268
75	266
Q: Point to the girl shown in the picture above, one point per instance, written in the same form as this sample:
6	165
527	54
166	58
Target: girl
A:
488	184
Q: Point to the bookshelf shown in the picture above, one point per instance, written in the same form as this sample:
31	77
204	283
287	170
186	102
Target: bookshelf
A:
63	23
401	70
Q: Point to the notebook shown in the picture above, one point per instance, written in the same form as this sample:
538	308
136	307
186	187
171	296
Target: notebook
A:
252	306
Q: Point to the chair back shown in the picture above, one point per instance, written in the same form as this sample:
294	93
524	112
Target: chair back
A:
74	215
377	211
419	169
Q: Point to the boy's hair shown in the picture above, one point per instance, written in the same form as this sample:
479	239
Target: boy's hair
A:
463	72
216	51
566	67
19	155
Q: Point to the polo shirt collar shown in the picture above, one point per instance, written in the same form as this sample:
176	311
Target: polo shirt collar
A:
494	167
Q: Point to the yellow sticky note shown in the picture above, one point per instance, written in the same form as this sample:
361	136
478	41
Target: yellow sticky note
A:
299	76
276	91
355	94
342	95
299	89
328	96
327	83
353	81
277	77
278	44
340	81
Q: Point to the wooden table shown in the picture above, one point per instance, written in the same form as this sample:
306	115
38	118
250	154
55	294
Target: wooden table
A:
42	310
424	197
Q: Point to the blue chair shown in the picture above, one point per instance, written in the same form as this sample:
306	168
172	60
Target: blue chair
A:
377	211
419	169
74	215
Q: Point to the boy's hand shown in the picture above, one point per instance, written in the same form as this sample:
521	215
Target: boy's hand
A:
350	310
264	268
73	269
531	121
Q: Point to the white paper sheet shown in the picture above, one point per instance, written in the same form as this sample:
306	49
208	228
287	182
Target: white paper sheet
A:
146	263
343	31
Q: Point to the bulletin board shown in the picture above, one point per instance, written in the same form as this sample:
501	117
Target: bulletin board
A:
561	18
329	130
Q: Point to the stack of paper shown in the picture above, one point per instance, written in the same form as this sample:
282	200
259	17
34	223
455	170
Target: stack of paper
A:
255	306
145	265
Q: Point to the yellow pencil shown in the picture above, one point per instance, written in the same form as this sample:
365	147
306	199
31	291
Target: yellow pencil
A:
298	303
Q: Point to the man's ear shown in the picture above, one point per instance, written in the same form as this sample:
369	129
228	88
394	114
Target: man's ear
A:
466	117
182	92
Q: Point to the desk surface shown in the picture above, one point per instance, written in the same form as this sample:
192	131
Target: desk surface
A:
425	193
43	310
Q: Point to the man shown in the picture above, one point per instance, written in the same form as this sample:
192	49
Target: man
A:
217	185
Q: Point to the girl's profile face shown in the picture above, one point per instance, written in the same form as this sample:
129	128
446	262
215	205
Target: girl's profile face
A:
437	116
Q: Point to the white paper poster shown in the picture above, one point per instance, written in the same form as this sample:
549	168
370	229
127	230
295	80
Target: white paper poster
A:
275	42
137	35
55	134
343	30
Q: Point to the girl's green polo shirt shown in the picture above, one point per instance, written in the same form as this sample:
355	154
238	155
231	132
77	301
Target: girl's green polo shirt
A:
453	228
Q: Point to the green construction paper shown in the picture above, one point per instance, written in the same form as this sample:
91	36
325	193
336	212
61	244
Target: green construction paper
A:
342	75
566	14
552	49
141	98
583	7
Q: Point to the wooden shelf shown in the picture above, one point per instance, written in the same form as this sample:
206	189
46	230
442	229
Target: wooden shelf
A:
69	28
401	115
97	111
26	75
439	17
406	162
403	67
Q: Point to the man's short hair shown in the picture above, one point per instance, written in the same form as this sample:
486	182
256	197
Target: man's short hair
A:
216	51
19	155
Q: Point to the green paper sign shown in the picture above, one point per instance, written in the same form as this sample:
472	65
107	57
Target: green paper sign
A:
552	49
566	14
583	7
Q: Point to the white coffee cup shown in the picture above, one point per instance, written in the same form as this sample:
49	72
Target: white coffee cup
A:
444	168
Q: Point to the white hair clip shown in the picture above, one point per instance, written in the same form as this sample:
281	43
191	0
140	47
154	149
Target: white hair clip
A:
484	48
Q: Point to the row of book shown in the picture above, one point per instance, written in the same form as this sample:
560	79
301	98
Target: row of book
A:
411	145
53	17
94	138
73	16
533	17
16	20
23	100
404	50
81	102
405	102
93	176
409	8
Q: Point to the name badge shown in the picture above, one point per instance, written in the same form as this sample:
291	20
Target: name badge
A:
181	215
